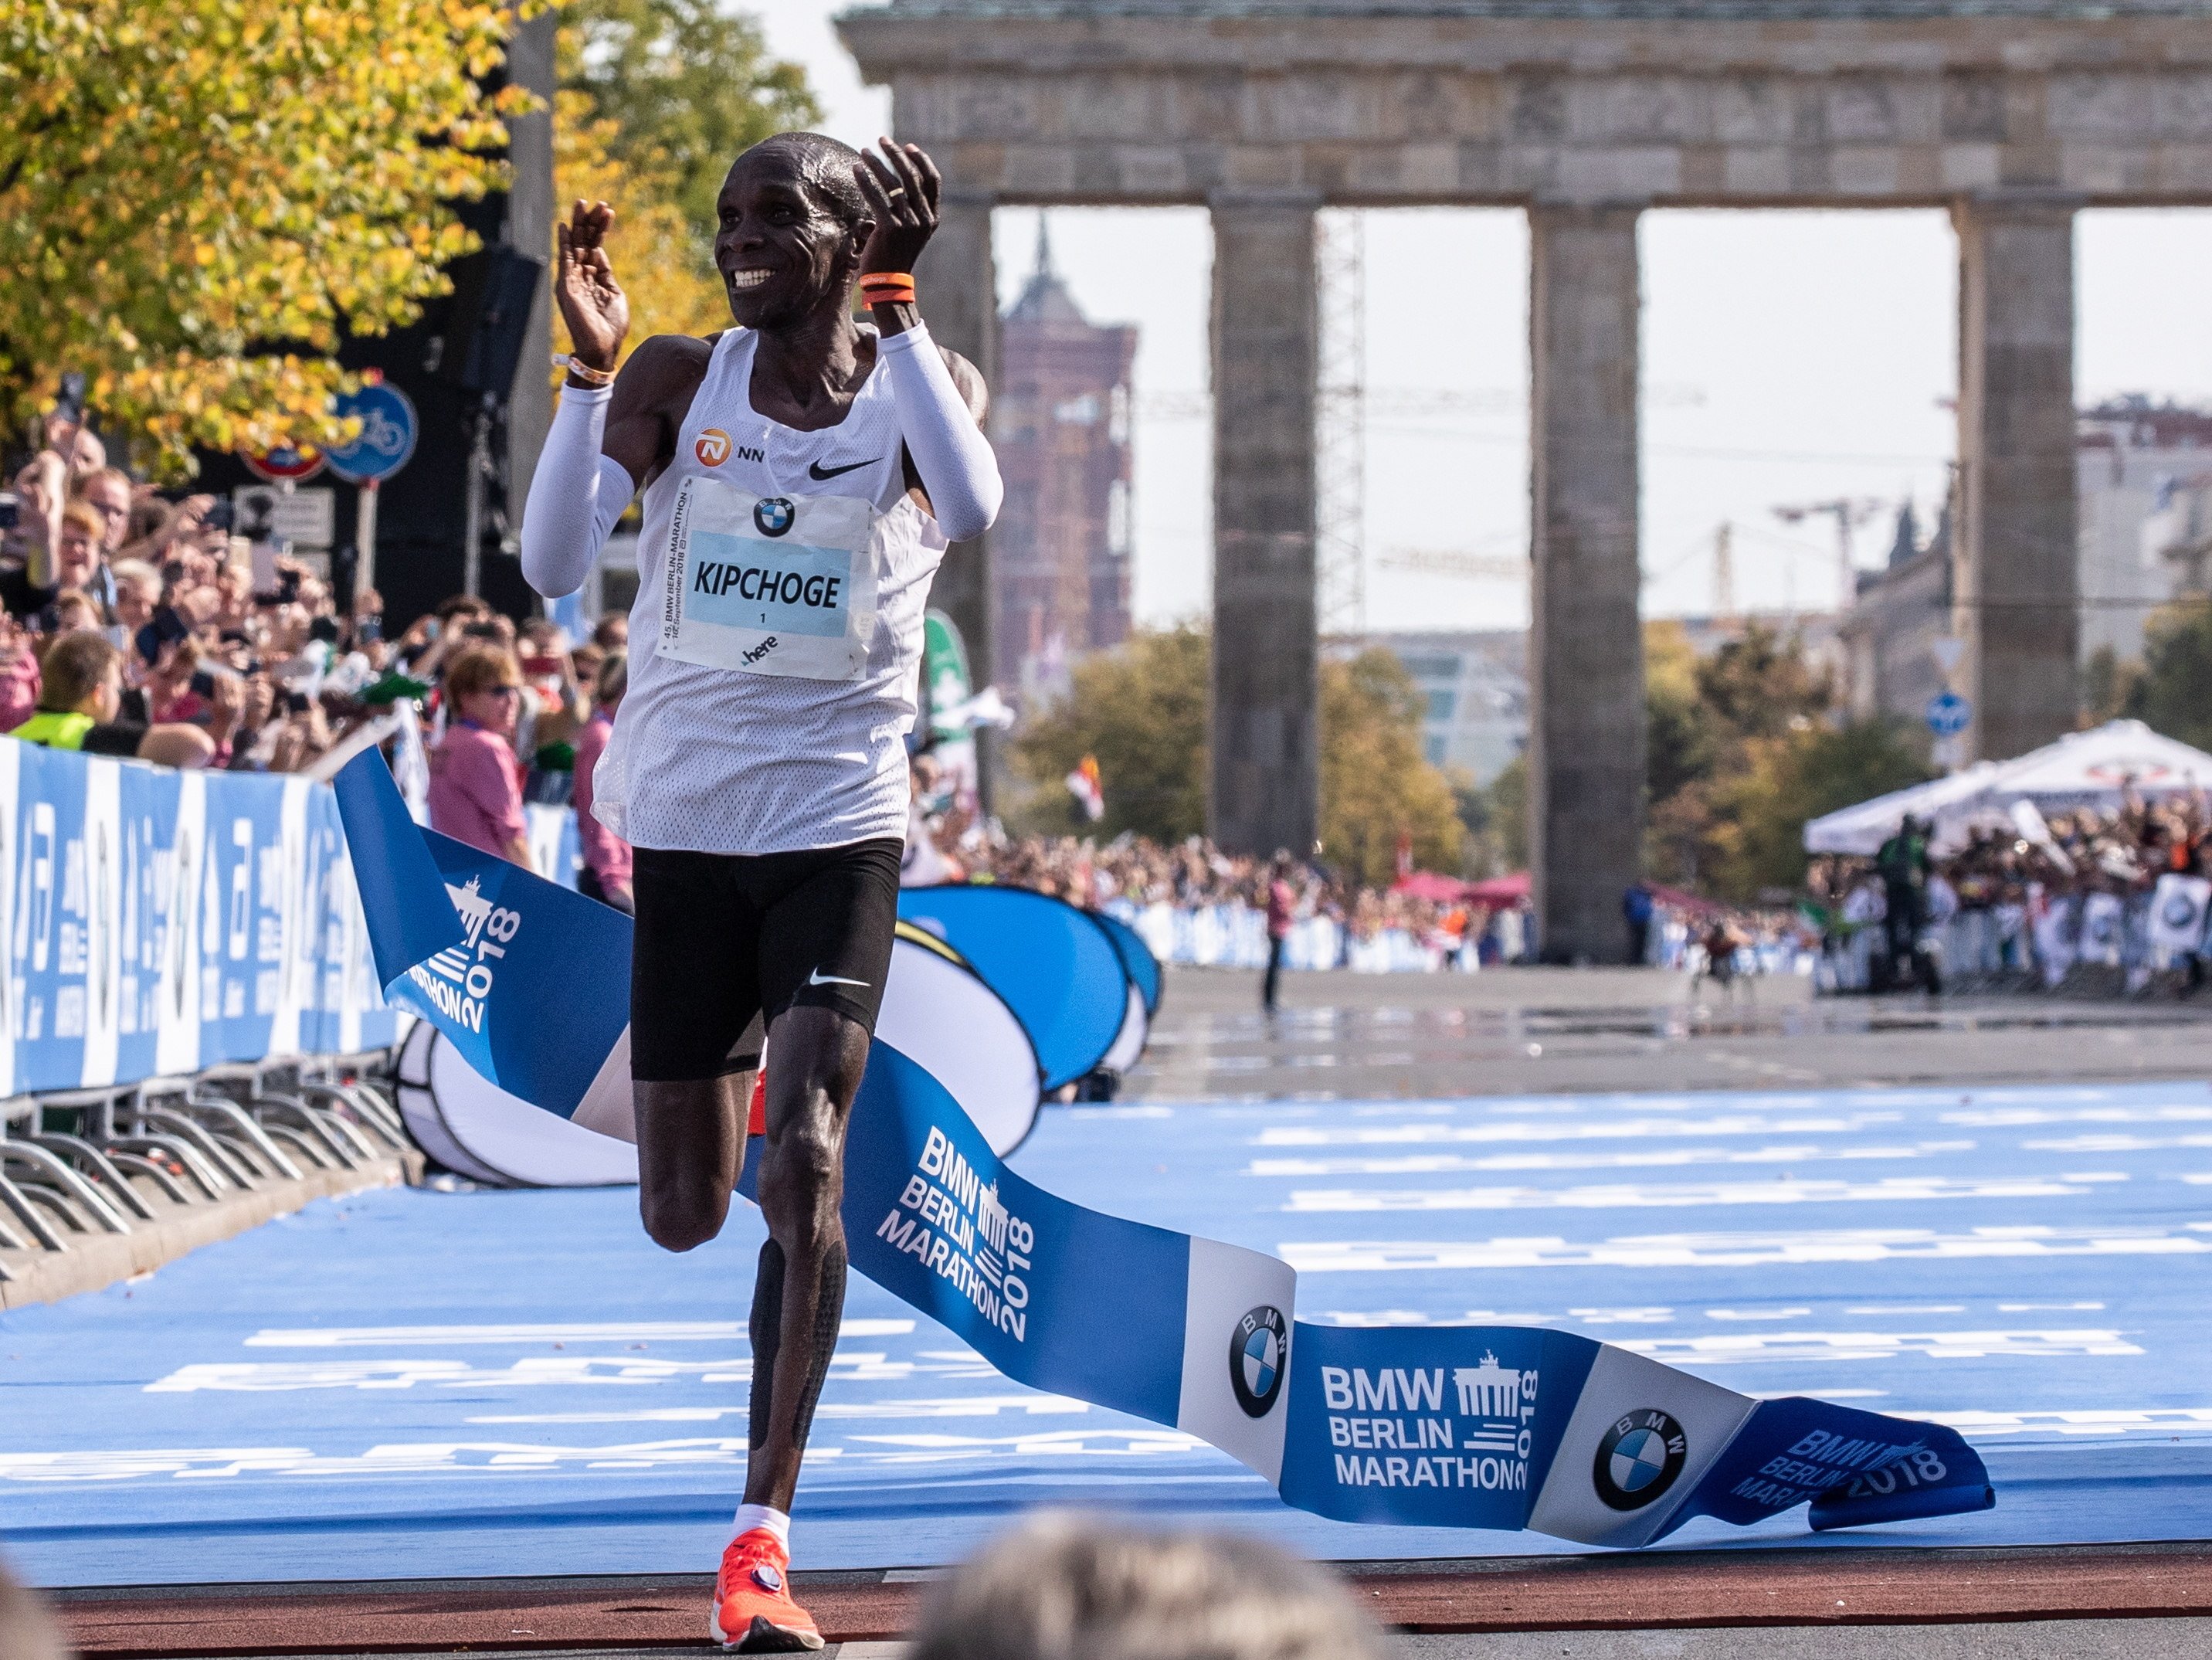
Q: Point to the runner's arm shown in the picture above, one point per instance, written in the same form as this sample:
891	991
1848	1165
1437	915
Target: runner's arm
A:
953	460
576	495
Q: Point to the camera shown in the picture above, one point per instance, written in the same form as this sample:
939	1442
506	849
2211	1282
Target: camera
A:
68	399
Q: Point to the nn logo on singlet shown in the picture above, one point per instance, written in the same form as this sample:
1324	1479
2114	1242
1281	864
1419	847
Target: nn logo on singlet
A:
714	447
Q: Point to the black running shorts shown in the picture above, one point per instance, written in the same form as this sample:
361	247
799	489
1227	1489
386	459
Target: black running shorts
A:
723	937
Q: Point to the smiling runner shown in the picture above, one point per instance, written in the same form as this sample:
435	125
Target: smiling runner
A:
802	477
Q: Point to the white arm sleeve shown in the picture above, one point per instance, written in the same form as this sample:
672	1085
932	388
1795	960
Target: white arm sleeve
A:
958	472
575	495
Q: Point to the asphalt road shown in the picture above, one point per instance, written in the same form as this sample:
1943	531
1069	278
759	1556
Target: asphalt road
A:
1357	1036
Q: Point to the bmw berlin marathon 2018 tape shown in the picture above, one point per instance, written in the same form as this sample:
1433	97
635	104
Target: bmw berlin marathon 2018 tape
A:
1477	1427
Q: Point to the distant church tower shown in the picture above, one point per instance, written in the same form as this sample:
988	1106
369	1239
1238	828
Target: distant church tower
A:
1060	420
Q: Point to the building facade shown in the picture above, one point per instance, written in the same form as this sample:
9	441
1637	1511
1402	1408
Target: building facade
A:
1062	548
1474	695
2143	521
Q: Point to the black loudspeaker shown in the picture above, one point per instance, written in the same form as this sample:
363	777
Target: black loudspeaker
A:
489	322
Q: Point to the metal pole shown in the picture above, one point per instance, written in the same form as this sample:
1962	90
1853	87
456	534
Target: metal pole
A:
472	517
364	536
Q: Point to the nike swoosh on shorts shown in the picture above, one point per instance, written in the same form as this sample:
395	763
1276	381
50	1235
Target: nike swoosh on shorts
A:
818	978
816	471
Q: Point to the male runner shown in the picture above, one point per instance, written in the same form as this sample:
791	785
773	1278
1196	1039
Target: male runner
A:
802	476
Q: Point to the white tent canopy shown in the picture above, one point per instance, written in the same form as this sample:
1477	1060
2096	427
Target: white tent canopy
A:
2083	769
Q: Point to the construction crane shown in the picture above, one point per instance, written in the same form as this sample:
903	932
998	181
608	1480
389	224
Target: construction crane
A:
1458	564
1848	513
1725	572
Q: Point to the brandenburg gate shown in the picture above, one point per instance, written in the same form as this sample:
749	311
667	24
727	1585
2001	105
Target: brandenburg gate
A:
2012	114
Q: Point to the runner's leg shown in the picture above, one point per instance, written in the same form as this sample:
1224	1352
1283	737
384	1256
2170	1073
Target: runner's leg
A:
825	950
693	989
820	1055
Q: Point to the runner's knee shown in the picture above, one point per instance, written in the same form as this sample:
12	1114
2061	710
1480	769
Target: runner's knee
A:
681	1217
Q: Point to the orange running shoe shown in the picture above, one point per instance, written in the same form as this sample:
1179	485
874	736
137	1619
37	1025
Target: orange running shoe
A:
753	1610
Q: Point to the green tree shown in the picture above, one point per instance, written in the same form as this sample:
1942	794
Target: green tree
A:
2173	693
196	195
1679	735
1796	776
2108	680
1140	709
1496	816
1375	785
1728	737
688	86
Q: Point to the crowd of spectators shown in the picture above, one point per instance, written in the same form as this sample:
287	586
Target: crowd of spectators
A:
2121	850
2012	876
946	842
141	624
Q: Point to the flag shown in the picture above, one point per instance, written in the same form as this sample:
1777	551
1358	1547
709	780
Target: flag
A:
1084	785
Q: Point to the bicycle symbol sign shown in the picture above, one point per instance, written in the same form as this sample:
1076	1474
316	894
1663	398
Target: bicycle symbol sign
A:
388	434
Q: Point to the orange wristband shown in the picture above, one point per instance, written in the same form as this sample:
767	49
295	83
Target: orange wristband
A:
891	278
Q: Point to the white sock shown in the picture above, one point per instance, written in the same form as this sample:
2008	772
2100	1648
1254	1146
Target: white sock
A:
761	1515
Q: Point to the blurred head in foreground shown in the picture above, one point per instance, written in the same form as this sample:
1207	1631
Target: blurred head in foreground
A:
26	1632
1062	1587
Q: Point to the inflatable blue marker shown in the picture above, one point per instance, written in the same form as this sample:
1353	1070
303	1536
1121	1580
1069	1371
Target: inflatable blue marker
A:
1073	1013
1136	960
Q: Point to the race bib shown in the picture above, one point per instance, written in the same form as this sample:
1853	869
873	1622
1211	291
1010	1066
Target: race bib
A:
769	585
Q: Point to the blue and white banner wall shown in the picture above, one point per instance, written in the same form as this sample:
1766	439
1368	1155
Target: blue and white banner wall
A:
1496	1427
159	922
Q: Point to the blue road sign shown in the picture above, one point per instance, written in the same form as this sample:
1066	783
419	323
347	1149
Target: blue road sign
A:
1949	714
388	434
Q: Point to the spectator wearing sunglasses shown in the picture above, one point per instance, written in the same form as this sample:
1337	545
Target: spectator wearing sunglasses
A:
476	782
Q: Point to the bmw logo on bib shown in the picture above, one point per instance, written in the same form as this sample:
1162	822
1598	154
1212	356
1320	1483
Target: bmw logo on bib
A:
1258	1358
1639	1459
774	514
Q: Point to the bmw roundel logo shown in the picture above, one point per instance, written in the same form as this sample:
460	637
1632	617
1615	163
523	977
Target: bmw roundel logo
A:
1639	1458
774	514
2180	911
1259	1356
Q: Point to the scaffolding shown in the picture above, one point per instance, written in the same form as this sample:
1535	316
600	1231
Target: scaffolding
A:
1341	425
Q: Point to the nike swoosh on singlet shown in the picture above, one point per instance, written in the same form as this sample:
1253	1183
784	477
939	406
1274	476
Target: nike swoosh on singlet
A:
818	978
816	471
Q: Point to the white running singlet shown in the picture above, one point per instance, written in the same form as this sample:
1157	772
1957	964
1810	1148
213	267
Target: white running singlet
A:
776	639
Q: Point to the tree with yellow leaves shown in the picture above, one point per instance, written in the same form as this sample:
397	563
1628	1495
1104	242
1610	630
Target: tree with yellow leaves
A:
197	196
657	98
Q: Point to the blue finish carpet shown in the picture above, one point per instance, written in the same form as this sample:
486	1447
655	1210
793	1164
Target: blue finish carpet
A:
412	1384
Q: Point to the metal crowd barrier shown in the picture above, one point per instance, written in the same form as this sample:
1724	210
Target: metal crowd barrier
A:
2069	949
80	1162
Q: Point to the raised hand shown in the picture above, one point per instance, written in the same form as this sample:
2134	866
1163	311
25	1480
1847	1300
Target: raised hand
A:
592	302
902	188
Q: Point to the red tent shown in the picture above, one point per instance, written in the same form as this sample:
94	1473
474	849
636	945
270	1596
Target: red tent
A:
1496	893
1499	891
1429	885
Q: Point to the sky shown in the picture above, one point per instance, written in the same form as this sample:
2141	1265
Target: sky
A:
1789	358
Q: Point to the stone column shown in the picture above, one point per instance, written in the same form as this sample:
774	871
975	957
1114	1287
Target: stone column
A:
957	283
2016	571
1265	788
1586	648
530	212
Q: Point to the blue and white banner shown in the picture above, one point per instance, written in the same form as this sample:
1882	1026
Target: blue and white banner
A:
159	922
1487	1426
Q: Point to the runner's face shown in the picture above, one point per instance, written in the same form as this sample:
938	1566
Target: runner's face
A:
782	253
